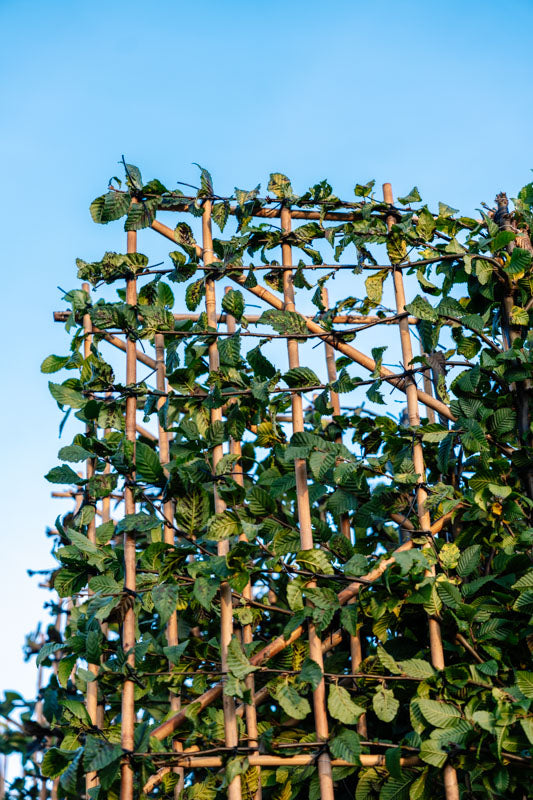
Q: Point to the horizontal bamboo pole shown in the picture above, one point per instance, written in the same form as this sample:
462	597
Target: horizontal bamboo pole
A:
346	349
168	727
296	213
340	319
304	760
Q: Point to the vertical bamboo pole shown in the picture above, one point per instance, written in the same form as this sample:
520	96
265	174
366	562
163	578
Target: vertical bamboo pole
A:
226	609
106	516
304	520
129	623
91	700
356	650
247	632
435	638
168	533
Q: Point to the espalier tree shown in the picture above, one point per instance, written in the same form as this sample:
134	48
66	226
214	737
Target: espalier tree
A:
292	600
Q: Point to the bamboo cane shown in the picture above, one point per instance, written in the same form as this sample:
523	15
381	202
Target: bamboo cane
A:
104	627
91	699
304	760
168	532
435	637
226	609
247	633
356	650
341	319
280	643
129	623
304	522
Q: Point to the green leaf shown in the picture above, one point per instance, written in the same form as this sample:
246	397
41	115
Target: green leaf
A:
280	185
73	453
64	474
138	522
77	709
238	664
364	189
109	207
175	652
349	618
54	363
220	214
105	532
141	215
346	745
431	753
524	681
260	502
425	225
315	561
396	247
341	706
147	463
165	598
64	669
525	582
99	754
233	303
441	715
223	526
412	197
70	778
387	661
374	286
301	376
55	762
396	788
81	541
47	650
283	321
291	702
66	396
519	264
469	560
310	673
503	420
165	295
204	591
527	727
192	510
385	704
422	309
446	211
519	316
194	293
449	555
484	270
417	668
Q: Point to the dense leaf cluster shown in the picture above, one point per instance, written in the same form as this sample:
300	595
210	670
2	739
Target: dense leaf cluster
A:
475	577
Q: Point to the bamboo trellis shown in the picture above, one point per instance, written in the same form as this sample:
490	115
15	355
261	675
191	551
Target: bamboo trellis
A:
179	758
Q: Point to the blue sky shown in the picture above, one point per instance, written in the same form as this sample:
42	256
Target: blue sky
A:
432	94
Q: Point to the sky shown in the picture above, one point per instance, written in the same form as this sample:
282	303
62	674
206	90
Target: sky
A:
432	94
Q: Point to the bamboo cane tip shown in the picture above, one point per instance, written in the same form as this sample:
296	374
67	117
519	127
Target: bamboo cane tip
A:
387	193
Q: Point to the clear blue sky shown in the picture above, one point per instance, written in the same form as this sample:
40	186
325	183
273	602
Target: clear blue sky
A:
433	94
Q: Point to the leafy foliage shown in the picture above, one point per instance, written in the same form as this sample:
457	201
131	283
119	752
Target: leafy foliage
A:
472	303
